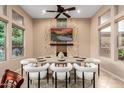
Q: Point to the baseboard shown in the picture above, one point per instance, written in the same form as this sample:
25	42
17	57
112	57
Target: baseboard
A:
113	74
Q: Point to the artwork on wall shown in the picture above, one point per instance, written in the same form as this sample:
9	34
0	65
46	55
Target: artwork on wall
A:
62	34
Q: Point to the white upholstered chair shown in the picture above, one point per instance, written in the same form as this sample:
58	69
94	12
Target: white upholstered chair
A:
36	73
26	61
86	73
61	73
92	61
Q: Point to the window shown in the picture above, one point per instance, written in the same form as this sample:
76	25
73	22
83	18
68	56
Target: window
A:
3	9
2	40
104	17
17	42
105	35
17	18
121	40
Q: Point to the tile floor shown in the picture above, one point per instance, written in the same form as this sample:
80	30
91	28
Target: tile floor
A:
105	80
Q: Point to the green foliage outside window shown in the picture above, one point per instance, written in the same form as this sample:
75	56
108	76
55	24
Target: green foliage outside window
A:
17	36
17	41
2	40
121	54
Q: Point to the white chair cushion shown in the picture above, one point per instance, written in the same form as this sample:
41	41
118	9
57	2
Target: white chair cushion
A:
29	68
91	65
88	71
87	75
24	62
92	60
34	75
92	68
28	60
61	69
33	71
61	75
29	65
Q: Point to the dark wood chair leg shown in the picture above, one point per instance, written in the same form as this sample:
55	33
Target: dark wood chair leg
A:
28	79
52	78
69	80
94	79
66	80
38	79
83	79
47	75
22	69
75	75
55	79
98	69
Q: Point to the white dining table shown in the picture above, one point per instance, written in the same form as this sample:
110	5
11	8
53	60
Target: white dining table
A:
59	60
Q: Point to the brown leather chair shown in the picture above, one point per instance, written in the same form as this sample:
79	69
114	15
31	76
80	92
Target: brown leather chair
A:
16	79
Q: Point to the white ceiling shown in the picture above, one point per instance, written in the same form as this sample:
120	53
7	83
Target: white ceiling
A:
36	11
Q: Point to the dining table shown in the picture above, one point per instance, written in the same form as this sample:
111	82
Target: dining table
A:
64	60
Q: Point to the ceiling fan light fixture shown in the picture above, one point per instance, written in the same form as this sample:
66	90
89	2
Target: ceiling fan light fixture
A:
43	11
78	11
67	12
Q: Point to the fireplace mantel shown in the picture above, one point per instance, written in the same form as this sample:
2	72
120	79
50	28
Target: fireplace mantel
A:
61	44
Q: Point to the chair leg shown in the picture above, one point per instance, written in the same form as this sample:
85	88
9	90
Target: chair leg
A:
52	79
75	75
93	79
22	69
38	79
98	69
28	80
47	75
83	79
69	80
66	80
55	79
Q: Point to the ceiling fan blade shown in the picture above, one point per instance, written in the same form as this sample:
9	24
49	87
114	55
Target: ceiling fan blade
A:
57	16
50	11
67	15
59	6
70	9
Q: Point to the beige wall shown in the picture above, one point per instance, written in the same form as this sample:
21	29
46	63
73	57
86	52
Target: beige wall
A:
10	63
81	37
37	39
110	64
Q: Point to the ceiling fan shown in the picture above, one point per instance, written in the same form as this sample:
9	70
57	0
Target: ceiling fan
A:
62	10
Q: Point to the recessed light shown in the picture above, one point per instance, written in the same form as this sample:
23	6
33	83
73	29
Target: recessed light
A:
43	11
78	11
66	12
